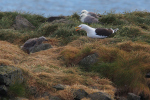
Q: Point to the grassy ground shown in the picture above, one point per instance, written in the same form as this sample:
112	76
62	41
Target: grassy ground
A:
123	57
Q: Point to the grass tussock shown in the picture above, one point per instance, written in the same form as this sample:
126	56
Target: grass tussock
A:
125	64
123	58
45	69
10	54
130	46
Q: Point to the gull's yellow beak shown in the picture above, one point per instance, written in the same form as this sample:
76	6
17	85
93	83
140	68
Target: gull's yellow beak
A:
77	28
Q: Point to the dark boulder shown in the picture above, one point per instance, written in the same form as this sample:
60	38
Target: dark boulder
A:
50	19
9	75
147	75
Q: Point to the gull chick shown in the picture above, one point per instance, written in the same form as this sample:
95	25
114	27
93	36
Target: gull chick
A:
88	19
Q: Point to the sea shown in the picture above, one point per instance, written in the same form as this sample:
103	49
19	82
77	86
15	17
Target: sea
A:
49	8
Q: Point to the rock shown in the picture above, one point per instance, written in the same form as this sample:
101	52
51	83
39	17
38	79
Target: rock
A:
22	23
10	75
43	46
59	87
79	94
3	90
50	19
147	75
132	96
89	60
99	96
144	96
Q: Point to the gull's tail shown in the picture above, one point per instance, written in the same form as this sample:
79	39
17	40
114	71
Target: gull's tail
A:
114	30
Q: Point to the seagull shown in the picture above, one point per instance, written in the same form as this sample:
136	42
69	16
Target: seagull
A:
96	32
90	13
29	44
88	19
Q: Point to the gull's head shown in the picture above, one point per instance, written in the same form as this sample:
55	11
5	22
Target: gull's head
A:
81	27
84	11
82	16
115	30
42	38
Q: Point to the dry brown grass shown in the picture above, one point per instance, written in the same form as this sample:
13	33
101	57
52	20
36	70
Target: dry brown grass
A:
125	61
130	46
45	69
10	54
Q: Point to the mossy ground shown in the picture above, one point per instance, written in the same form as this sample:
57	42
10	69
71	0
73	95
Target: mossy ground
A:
123	57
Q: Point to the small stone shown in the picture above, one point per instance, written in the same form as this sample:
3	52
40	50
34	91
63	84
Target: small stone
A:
99	96
79	94
132	96
89	60
147	75
50	19
59	87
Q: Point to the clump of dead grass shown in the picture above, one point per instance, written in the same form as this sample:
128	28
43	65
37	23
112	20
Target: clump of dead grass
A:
67	93
130	46
10	54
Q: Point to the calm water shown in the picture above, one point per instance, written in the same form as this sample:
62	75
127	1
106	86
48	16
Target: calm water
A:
68	7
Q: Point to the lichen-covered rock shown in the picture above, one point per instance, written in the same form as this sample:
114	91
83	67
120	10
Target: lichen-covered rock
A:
22	23
43	46
10	75
88	60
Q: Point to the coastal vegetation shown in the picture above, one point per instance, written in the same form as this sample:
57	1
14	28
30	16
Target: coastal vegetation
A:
123	58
